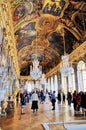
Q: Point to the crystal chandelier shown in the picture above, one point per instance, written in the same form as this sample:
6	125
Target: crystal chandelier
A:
35	69
43	79
66	67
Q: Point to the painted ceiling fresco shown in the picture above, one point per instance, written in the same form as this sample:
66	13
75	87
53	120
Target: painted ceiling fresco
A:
43	26
25	35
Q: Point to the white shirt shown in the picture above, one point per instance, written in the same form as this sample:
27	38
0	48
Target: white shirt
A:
34	97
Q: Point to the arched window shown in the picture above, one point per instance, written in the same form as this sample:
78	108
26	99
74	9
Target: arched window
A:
49	86
73	80
68	82
81	72
52	85
56	83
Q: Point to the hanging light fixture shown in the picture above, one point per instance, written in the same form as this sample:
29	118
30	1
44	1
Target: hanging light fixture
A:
43	79
66	67
35	68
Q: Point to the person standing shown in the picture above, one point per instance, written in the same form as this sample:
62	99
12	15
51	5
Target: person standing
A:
75	101
34	102
59	97
42	97
23	101
69	98
63	97
53	100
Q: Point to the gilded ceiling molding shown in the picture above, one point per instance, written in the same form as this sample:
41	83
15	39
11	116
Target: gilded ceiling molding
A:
22	23
14	51
16	2
23	64
25	78
73	30
46	25
42	44
40	41
49	3
55	52
24	19
32	50
5	25
46	22
22	55
53	71
27	3
77	54
82	15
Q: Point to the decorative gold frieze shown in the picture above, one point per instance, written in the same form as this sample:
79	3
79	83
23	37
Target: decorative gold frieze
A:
77	54
75	45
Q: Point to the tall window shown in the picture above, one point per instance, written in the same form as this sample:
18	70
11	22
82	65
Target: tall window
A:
68	82
56	84
65	84
81	67
72	81
52	85
49	88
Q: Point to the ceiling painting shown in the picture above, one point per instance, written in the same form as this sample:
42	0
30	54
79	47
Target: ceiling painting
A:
21	53
78	19
38	26
57	41
22	10
55	7
25	35
25	10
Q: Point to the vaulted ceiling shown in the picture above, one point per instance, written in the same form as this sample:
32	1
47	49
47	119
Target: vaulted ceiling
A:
42	27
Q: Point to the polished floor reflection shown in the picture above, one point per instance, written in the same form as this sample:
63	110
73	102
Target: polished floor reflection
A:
33	121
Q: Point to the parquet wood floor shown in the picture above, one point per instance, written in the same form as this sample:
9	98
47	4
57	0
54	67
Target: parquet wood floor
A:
33	121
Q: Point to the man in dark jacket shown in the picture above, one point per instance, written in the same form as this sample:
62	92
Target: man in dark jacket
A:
53	100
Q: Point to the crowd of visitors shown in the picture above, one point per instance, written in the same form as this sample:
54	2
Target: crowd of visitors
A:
77	99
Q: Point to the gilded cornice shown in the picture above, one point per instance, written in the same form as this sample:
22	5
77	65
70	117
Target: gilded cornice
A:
25	77
77	54
73	30
74	56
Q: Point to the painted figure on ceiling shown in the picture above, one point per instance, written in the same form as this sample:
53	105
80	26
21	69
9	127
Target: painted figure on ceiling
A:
54	7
